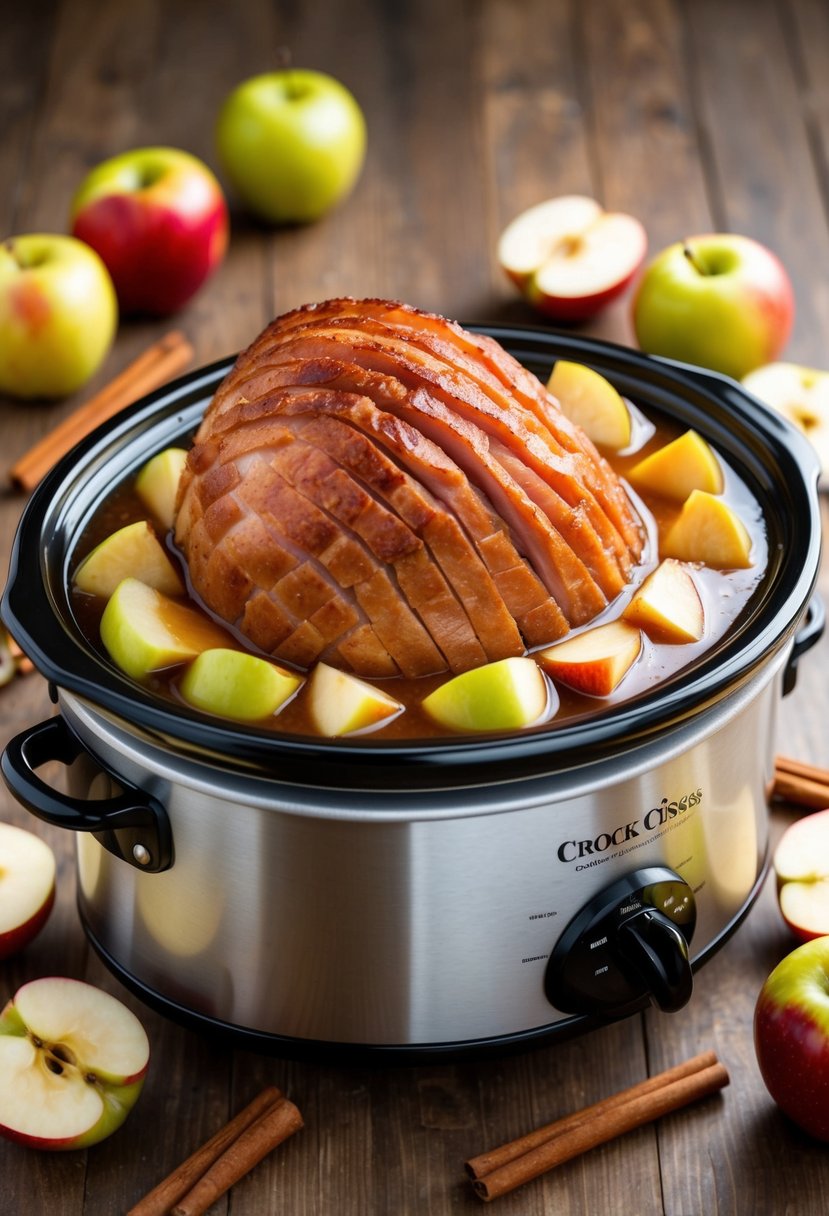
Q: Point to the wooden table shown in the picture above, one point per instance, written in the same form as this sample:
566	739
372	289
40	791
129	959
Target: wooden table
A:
694	116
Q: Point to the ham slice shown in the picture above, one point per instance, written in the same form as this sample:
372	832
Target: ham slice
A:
376	487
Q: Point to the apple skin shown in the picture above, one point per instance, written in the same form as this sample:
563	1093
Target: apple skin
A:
58	315
505	695
719	300
158	219
791	1036
801	870
292	144
27	887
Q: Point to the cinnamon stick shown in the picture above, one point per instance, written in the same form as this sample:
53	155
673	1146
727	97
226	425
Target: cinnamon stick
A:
627	1114
276	1124
184	1177
485	1163
800	783
158	364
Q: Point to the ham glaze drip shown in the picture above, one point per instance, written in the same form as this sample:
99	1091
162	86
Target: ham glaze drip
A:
378	488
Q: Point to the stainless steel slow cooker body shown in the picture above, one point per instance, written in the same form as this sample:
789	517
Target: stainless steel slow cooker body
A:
409	897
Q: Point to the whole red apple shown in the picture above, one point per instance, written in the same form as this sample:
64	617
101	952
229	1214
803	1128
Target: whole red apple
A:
158	219
791	1036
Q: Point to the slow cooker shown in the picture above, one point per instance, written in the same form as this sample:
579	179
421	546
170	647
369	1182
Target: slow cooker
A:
406	898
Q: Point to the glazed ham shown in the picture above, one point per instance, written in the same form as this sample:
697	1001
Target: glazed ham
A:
376	487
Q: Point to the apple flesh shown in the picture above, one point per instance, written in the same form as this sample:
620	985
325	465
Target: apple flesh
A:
72	1063
680	467
144	630
667	606
719	300
569	257
27	887
505	695
791	1036
133	551
707	530
801	867
58	315
158	219
591	401
595	661
157	485
237	684
800	394
341	704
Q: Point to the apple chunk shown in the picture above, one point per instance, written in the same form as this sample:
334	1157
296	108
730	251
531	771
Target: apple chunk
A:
668	605
591	401
157	484
341	704
237	684
144	630
27	887
681	466
801	867
132	552
570	257
595	661
72	1063
707	530
505	695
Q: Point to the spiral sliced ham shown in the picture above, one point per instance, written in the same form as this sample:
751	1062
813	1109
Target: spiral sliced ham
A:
376	487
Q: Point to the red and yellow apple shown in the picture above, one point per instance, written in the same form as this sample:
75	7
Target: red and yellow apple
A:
72	1064
801	867
27	887
595	661
719	300
569	257
158	219
292	143
58	315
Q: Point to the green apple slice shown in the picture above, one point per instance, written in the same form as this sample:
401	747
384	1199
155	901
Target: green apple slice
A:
132	552
505	695
144	630
237	684
72	1064
341	704
157	484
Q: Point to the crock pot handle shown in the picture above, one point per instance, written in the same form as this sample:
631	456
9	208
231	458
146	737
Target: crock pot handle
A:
132	825
810	632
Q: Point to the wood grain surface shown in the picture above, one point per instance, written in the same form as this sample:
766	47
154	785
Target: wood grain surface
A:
694	115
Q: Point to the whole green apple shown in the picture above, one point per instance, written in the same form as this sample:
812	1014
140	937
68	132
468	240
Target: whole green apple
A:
292	143
721	301
58	315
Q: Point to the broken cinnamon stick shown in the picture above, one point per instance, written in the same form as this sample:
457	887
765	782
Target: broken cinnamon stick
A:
627	1113
158	364
800	783
185	1176
276	1124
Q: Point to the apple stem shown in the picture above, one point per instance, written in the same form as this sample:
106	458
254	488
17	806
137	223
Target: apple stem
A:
689	253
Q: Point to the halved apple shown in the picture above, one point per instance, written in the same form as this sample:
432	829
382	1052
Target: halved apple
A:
72	1063
144	630
157	484
340	703
27	887
800	394
801	866
132	552
595	661
681	466
505	695
667	606
237	684
591	401
570	257
707	530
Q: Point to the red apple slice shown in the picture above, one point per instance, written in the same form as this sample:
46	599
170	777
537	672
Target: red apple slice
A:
27	887
72	1063
595	661
801	866
667	605
570	257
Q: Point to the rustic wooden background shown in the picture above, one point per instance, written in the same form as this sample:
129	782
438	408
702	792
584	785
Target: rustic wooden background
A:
694	115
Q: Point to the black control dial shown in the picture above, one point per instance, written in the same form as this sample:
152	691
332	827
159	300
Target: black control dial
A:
626	948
